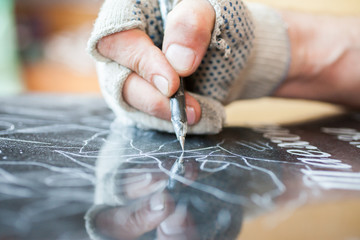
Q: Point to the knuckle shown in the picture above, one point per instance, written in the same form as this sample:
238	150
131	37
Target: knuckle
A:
193	17
155	108
138	60
134	61
192	20
105	45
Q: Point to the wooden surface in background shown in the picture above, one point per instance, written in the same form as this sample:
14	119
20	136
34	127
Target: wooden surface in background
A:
55	77
333	220
334	7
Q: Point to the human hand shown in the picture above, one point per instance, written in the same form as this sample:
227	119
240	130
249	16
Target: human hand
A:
155	75
325	59
210	42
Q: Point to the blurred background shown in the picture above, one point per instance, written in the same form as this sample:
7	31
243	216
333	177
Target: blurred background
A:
44	46
43	42
43	50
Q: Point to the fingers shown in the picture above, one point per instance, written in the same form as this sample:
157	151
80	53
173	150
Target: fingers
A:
187	35
135	50
143	96
130	222
144	184
186	39
179	225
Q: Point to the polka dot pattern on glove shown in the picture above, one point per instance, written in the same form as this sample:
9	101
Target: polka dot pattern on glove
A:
149	12
220	68
222	63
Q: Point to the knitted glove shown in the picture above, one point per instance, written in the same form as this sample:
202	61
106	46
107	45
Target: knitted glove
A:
248	57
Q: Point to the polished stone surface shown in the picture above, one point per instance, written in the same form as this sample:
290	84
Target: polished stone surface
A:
69	171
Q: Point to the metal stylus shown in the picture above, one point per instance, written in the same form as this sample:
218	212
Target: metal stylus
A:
177	101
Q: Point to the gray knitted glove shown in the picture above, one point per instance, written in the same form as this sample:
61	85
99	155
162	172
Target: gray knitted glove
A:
248	57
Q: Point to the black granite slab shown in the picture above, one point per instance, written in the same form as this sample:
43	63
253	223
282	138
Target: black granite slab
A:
69	171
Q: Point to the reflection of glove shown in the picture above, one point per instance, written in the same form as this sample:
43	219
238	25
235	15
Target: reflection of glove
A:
248	57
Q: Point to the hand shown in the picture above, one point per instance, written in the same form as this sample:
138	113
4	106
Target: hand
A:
325	55
155	75
212	43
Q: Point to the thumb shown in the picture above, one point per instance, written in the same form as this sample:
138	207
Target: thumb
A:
187	34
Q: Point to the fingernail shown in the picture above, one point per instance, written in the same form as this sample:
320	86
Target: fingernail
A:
174	224
190	113
162	84
181	58
157	202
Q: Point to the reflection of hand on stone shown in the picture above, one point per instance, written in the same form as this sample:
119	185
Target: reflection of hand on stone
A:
149	207
131	222
142	184
155	213
178	226
137	185
134	199
177	222
131	194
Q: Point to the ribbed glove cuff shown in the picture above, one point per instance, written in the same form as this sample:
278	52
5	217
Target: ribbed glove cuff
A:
269	63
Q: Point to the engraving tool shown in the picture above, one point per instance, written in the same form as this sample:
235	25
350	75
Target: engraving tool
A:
177	101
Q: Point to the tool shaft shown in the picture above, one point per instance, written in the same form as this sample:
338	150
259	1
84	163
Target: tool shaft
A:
178	113
177	101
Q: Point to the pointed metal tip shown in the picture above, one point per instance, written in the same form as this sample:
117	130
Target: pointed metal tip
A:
182	142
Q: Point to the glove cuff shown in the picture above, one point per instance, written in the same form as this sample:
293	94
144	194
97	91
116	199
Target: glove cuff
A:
113	17
269	62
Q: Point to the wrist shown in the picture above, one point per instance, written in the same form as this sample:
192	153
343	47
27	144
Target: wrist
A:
324	54
300	34
318	41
